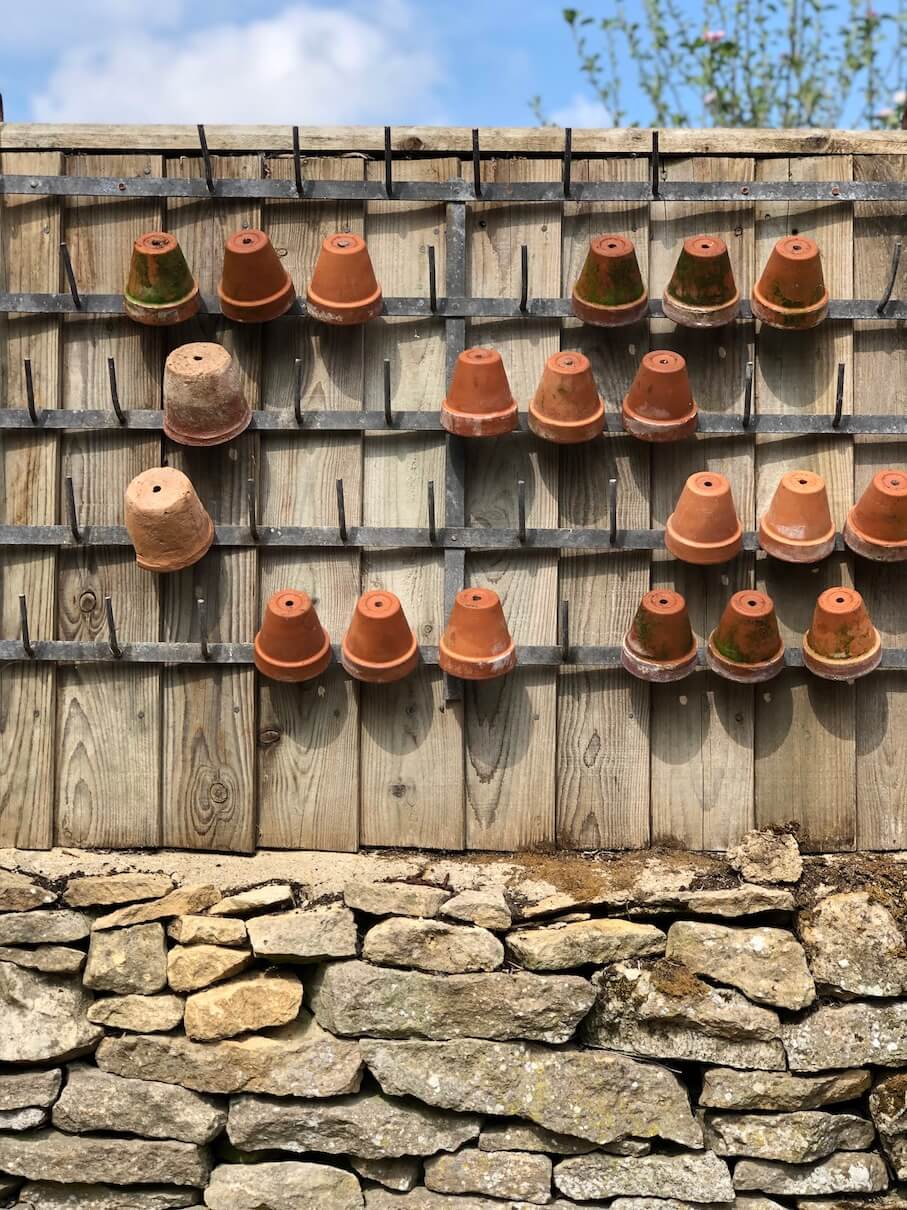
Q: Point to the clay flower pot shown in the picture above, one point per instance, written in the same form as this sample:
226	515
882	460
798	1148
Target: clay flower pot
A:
203	399
842	642
659	404
702	292
343	289
566	408
659	646
476	644
877	524
791	291
610	291
254	285
292	645
379	646
479	401
161	289
797	528
703	527
746	644
166	521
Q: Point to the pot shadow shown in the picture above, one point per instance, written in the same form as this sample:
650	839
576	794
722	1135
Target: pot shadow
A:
311	715
398	718
501	721
877	698
681	718
816	369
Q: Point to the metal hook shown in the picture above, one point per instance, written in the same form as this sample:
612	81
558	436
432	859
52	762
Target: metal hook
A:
612	511
521	509
341	511
432	280
747	394
70	276
388	163
71	510
656	164
112	639
202	607
253	510
524	278
297	163
114	390
206	156
388	413
839	397
30	393
568	158
565	632
23	622
892	276
476	165
432	524
297	395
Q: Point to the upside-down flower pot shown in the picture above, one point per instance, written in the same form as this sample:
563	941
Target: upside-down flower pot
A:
659	404
476	643
746	644
610	291
659	646
566	408
203	397
842	643
704	527
343	289
161	289
479	401
791	292
702	292
379	645
877	524
292	645
166	521
254	285
797	528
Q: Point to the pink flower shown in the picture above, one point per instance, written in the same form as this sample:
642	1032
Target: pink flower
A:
710	98
884	113
713	35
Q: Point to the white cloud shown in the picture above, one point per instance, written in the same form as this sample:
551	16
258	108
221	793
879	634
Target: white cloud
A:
305	64
580	112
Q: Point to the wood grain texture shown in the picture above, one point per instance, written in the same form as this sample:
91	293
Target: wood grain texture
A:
308	765
603	715
108	719
805	766
702	727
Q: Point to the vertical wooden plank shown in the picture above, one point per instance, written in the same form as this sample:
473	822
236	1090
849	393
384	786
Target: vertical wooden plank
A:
603	715
108	717
511	721
880	385
411	743
805	766
308	767
702	727
209	713
29	260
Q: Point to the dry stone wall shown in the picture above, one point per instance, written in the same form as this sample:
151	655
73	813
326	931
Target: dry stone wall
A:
648	1038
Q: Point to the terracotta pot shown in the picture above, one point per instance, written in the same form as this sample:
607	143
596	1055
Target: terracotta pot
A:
746	644
797	528
842	642
166	521
161	289
702	292
659	404
379	646
254	285
566	408
292	645
479	401
476	644
877	525
610	291
343	289
203	399
659	646
791	291
703	527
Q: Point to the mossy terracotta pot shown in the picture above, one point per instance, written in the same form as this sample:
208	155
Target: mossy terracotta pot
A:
476	643
254	286
746	644
702	292
659	646
292	645
479	401
203	397
791	292
566	408
161	289
610	291
343	289
704	527
842	643
659	404
166	521
797	528
379	645
876	527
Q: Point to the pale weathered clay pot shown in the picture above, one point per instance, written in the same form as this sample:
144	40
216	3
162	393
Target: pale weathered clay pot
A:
166	521
203	397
